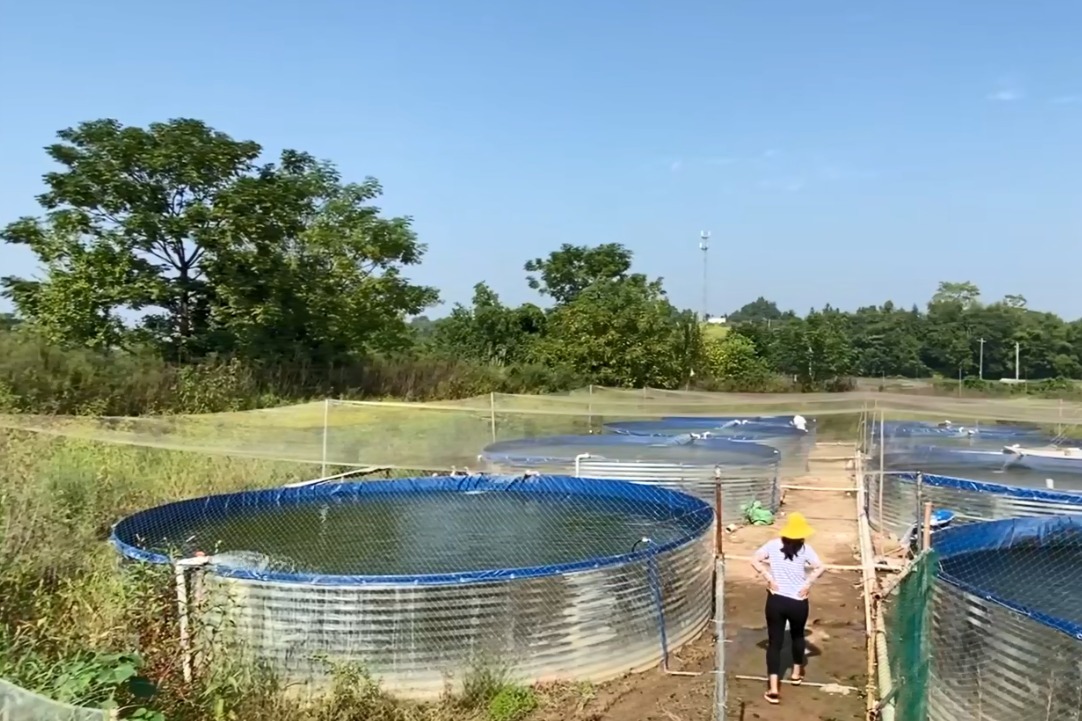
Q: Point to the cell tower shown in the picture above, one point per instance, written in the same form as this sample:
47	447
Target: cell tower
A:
704	246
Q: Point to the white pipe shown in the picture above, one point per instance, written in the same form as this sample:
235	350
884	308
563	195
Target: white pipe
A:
578	463
180	571
835	686
336	477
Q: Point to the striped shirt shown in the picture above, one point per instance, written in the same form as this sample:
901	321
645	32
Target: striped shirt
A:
791	576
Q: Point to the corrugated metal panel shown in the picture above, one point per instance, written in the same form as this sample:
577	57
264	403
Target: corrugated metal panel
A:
738	486
18	704
899	510
990	663
588	626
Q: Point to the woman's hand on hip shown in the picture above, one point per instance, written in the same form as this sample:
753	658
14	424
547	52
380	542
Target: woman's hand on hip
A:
803	592
771	585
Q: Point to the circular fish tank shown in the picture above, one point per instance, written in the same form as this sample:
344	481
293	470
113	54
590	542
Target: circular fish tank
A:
975	484
747	471
1006	624
899	435
794	443
421	581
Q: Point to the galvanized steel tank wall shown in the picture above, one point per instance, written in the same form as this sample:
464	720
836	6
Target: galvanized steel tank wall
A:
991	658
739	486
592	625
990	663
897	508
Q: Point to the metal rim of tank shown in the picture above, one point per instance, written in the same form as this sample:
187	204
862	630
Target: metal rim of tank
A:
748	428
998	535
929	429
517	451
700	517
1000	489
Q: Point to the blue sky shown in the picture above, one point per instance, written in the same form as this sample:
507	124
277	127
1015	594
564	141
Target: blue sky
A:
841	152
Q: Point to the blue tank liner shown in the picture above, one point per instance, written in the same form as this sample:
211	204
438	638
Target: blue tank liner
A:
895	507
962	484
1005	534
922	429
679	449
907	457
697	517
734	429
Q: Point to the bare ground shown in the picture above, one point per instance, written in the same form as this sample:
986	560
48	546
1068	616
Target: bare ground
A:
835	637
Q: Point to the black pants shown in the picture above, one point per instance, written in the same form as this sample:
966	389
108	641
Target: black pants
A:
782	610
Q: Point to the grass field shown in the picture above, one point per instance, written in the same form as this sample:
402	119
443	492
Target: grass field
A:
713	330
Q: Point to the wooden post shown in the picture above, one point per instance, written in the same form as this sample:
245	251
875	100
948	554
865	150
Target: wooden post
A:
882	465
926	533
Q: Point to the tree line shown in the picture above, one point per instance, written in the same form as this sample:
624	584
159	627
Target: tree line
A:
180	269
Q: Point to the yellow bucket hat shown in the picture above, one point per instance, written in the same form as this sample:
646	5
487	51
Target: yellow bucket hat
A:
796	527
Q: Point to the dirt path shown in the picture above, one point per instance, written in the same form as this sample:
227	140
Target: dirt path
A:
836	648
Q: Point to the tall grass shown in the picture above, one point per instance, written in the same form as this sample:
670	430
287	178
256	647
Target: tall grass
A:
36	377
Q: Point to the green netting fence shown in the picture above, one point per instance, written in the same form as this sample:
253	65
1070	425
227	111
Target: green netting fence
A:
908	622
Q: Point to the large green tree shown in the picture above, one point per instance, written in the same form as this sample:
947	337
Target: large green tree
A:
489	332
185	229
568	271
624	332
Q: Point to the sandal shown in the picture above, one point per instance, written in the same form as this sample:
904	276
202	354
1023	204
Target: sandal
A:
772	698
796	680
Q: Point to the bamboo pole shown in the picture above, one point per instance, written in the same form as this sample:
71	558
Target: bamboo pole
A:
926	531
868	581
835	489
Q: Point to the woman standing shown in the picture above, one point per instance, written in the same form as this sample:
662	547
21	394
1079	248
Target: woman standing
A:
788	582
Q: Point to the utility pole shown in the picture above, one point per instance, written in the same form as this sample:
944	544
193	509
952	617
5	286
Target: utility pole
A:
980	368
1017	367
704	246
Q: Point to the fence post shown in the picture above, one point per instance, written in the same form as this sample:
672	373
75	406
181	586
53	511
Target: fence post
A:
184	610
492	413
326	423
920	496
719	528
720	701
720	691
926	533
882	460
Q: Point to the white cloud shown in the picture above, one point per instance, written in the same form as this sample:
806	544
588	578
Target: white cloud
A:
675	166
1066	100
1007	90
771	153
1005	96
